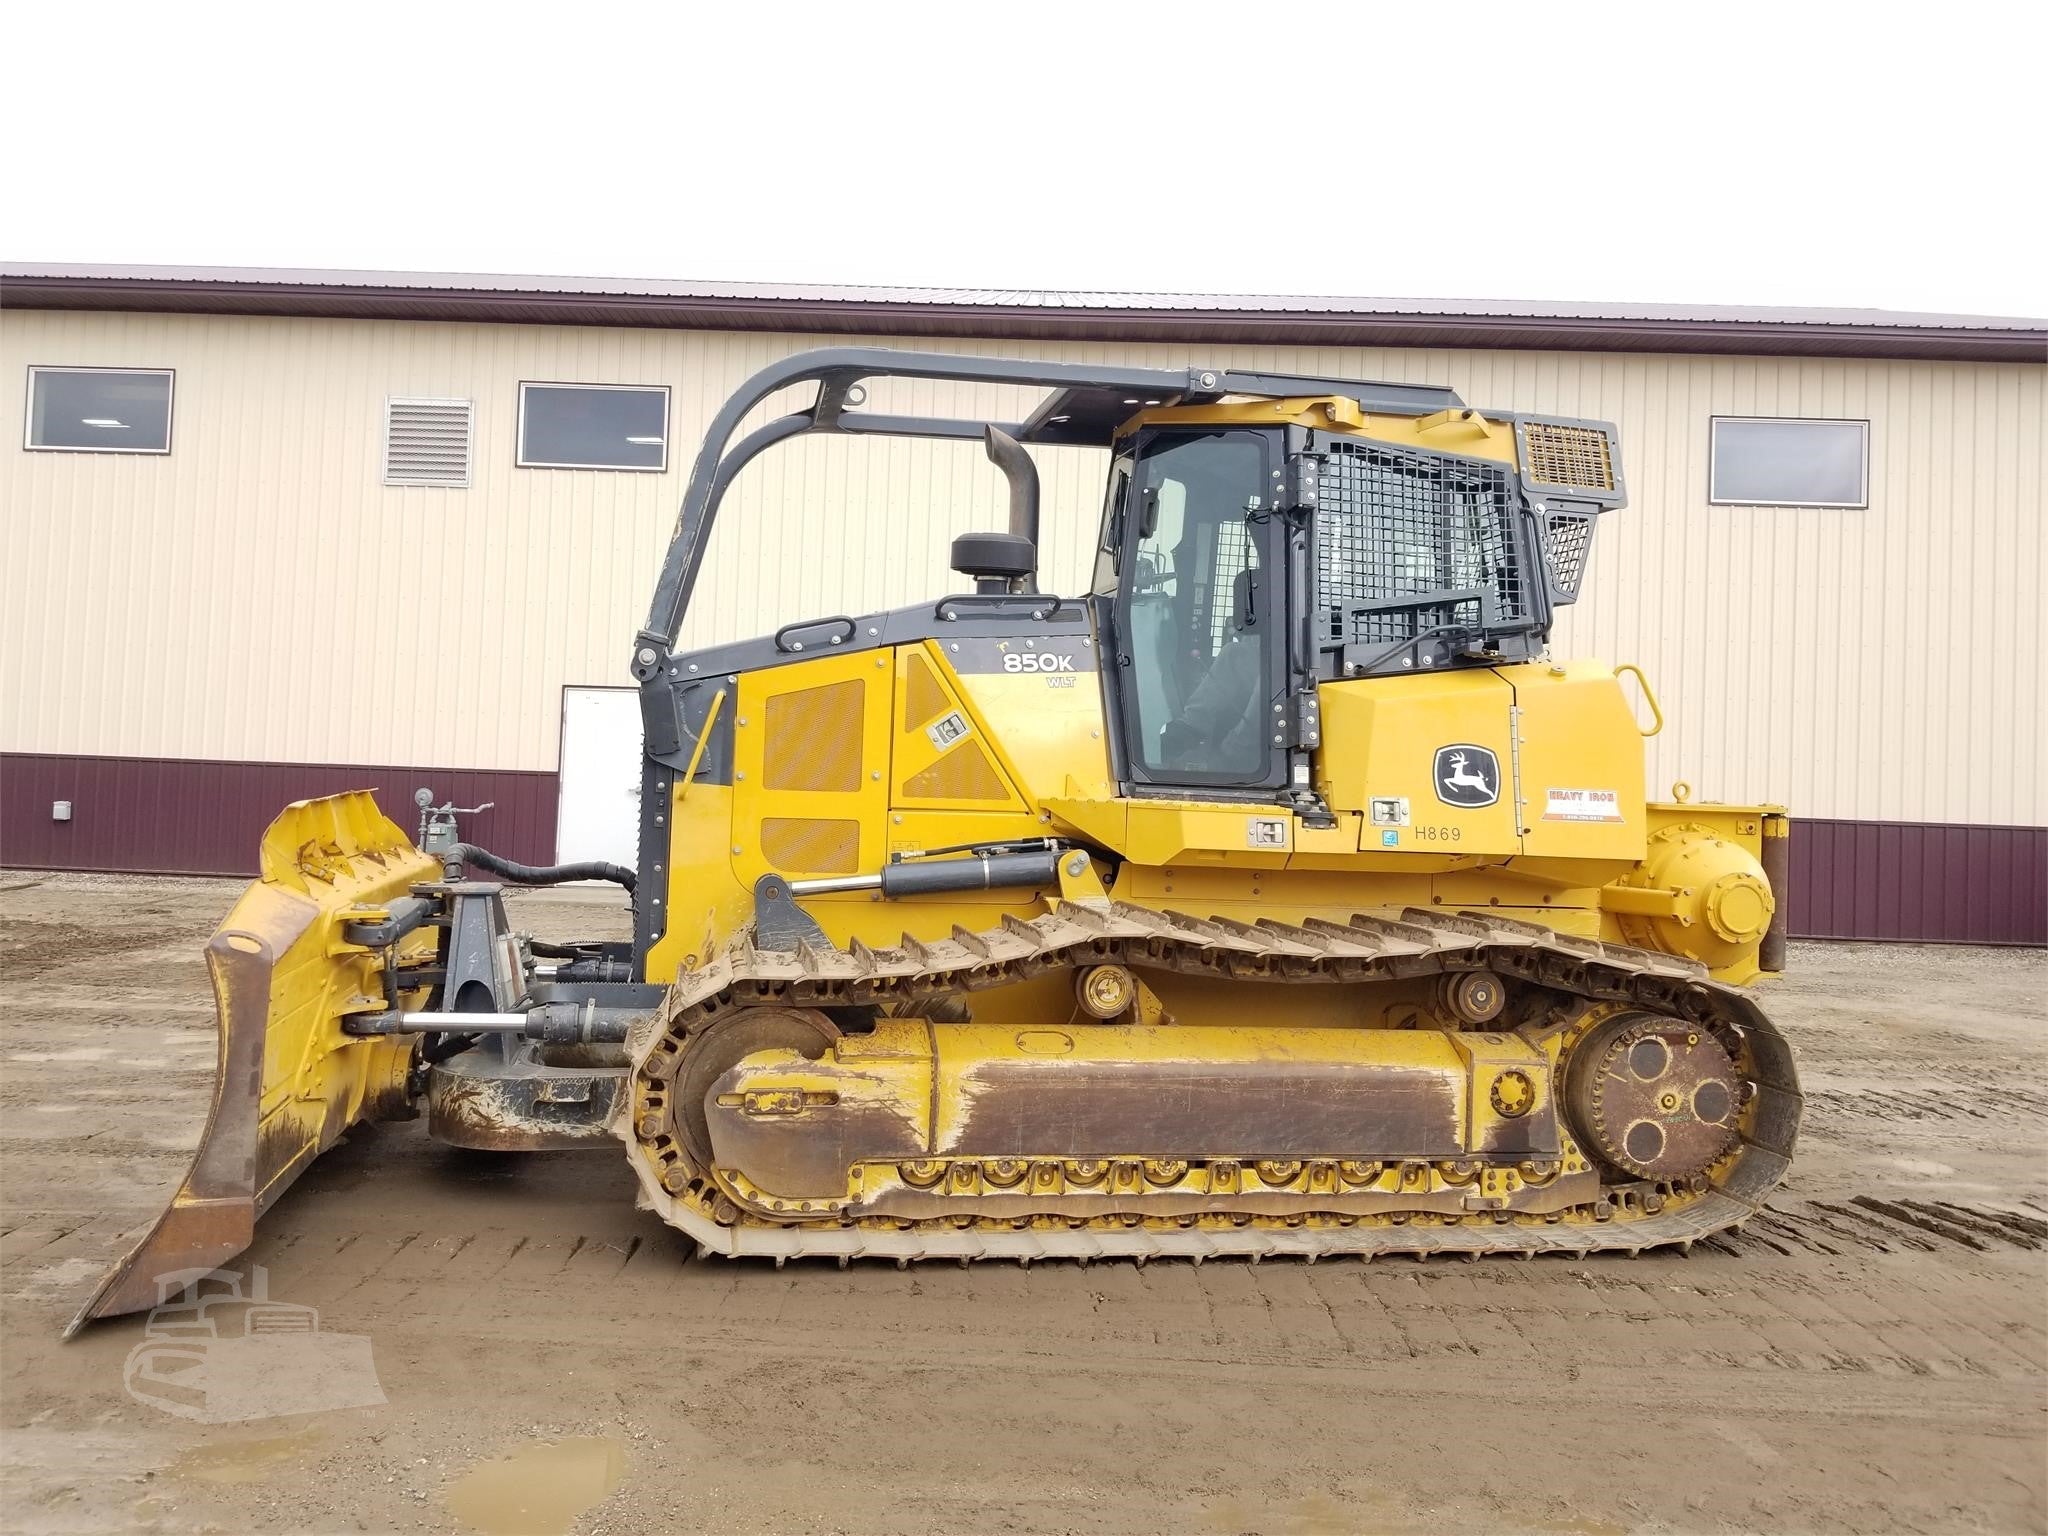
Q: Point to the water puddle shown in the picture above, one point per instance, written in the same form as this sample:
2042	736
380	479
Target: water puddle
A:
242	1461
538	1490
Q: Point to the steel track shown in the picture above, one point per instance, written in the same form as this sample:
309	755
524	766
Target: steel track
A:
1367	949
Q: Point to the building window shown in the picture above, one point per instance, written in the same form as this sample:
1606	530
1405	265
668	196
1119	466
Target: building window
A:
426	442
1782	461
99	410
593	426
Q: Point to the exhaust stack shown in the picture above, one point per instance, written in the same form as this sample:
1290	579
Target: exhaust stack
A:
1010	456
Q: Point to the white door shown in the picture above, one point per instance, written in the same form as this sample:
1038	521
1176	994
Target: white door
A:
599	815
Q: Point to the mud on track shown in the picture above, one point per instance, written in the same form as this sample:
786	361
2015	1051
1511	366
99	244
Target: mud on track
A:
1867	1356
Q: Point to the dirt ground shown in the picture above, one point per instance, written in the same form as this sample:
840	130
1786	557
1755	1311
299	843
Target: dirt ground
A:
1868	1356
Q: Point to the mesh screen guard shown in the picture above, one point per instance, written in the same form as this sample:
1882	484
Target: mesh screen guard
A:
1413	545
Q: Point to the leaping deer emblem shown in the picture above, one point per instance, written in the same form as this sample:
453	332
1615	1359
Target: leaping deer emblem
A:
1459	778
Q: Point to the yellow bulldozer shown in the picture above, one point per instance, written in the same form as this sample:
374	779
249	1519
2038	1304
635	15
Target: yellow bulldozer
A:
1280	895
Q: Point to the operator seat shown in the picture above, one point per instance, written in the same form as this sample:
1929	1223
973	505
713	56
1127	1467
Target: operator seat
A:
1155	643
1247	607
1247	599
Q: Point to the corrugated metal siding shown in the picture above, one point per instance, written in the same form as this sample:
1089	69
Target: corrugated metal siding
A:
181	817
261	594
1933	884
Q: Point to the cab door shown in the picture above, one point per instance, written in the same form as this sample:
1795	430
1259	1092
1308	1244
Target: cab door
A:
1199	677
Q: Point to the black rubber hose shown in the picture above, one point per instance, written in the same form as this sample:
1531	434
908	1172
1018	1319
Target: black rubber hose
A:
545	950
533	874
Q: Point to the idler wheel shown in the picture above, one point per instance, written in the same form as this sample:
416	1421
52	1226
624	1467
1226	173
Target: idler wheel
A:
723	1046
1654	1097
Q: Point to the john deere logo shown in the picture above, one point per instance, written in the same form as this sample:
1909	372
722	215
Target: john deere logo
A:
1467	776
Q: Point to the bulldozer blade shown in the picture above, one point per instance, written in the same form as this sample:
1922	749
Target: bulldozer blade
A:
290	1080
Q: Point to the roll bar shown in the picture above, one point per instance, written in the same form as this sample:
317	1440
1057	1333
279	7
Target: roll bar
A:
1096	395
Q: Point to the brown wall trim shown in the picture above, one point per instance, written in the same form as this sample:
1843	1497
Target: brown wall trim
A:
184	816
1039	322
1919	882
1887	880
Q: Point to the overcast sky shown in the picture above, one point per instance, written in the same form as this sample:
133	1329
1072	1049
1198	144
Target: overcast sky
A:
1780	154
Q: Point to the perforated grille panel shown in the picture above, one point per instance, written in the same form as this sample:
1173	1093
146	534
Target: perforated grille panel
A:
1561	455
923	698
965	773
811	845
1571	537
813	738
1414	541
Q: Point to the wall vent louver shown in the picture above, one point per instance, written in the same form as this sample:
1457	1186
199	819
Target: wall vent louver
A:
426	442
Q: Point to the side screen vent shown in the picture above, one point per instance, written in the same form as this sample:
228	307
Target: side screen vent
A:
813	740
1556	454
811	845
965	773
923	699
1570	536
426	442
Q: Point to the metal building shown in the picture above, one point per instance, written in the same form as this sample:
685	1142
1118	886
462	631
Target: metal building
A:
273	533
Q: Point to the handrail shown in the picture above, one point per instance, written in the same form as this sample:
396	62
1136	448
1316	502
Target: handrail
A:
703	740
783	643
1648	696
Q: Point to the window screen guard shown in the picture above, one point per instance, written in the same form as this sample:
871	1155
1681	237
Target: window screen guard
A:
1421	557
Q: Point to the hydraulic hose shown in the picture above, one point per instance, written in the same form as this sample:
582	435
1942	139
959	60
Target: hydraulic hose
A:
533	874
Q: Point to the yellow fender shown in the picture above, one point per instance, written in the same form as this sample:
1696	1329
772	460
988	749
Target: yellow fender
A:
290	1081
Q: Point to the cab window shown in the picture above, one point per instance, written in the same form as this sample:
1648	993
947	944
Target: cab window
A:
1199	610
1112	527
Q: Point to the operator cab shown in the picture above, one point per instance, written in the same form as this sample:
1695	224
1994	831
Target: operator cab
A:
1243	563
1263	534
